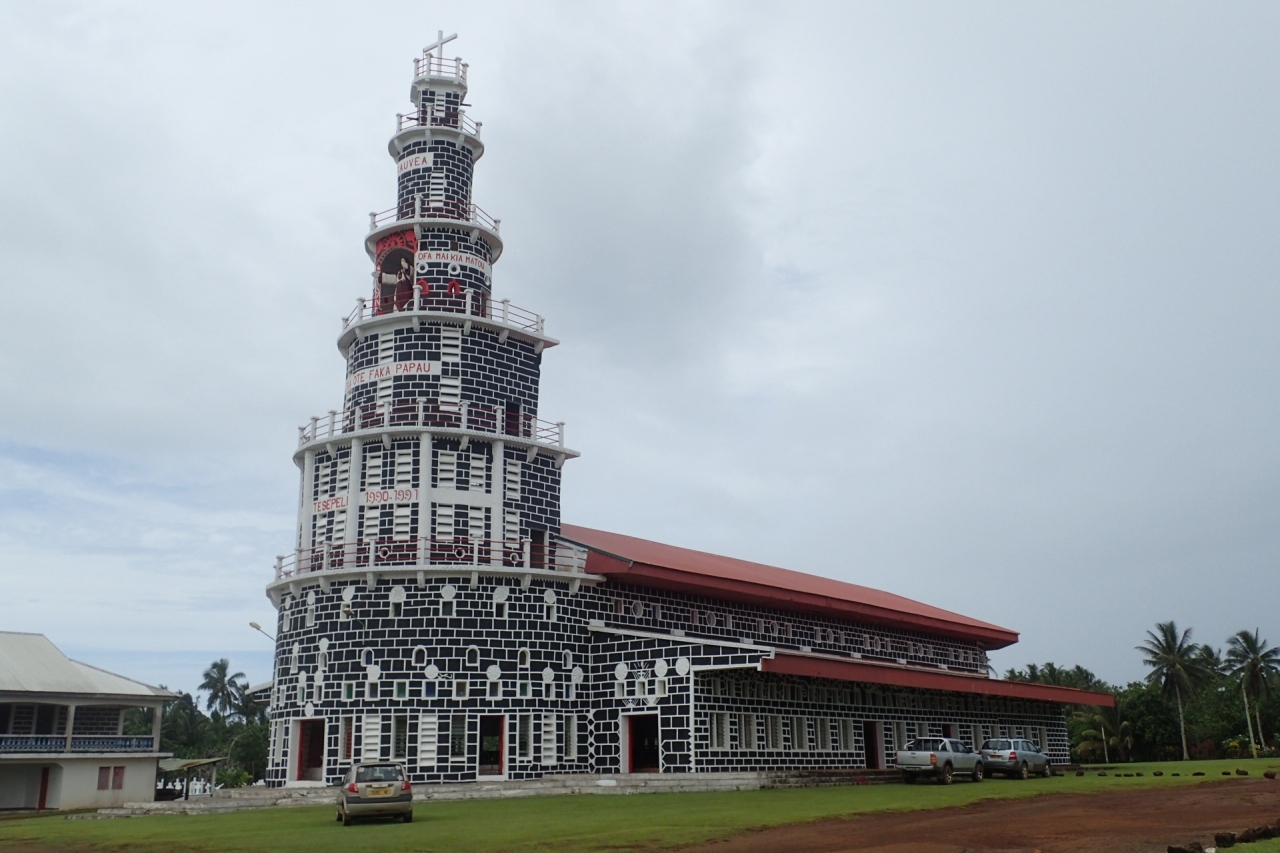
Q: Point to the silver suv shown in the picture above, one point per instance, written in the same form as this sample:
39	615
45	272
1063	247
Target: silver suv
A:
1014	756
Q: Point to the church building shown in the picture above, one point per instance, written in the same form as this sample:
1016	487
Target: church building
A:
437	612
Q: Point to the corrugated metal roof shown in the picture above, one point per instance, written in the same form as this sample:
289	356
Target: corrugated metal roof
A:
647	563
29	663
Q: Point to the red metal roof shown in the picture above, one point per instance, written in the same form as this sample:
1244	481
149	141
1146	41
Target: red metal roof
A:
791	664
645	563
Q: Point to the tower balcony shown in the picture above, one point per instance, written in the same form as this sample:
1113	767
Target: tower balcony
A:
432	121
433	212
439	68
469	308
418	558
464	420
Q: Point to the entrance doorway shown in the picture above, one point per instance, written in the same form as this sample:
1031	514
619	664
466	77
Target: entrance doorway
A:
642	736
493	732
872	743
311	751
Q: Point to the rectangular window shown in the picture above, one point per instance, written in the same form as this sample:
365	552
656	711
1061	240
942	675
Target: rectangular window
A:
551	613
446	608
549	755
397	609
571	737
402	690
660	687
719	730
524	735
524	690
773	732
642	687
823	726
460	689
458	738
799	733
117	778
371	690
349	691
747	731
104	778
845	736
429	690
619	690
345	738
499	610
427	739
400	736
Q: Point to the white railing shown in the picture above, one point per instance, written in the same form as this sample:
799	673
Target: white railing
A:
425	208
473	303
557	556
472	417
432	117
435	66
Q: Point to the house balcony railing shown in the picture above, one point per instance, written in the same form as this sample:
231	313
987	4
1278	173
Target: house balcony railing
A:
454	119
470	302
426	208
79	743
462	552
410	414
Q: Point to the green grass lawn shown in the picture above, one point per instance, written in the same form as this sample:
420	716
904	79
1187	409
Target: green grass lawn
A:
573	824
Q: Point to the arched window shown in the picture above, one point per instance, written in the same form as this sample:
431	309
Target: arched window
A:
473	656
311	609
522	658
568	659
366	657
419	656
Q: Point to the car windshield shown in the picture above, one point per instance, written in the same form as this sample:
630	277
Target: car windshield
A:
926	744
996	744
378	773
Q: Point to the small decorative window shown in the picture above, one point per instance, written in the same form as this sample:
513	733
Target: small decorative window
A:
371	690
568	659
551	613
446	608
522	658
447	593
429	690
637	608
419	656
402	690
460	689
473	656
311	609
349	691
618	606
366	657
499	610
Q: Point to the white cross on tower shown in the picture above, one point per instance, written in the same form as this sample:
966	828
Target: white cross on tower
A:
441	41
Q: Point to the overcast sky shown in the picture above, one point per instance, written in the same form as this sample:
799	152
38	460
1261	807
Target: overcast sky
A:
976	303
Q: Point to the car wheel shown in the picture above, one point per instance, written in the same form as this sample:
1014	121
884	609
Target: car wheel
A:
1048	770
338	815
1023	772
408	818
946	775
977	772
347	820
909	778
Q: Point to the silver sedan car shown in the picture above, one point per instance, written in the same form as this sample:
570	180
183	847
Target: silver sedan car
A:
375	789
1014	757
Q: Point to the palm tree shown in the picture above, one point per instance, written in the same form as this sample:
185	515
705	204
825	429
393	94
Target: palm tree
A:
220	686
1176	665
1110	730
1257	667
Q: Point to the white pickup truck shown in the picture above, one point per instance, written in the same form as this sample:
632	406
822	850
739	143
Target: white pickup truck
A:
940	758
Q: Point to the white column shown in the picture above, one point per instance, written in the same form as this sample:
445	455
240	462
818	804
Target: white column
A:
354	488
305	504
156	718
71	723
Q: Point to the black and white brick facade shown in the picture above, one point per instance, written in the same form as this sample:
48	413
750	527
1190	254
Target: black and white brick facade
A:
434	612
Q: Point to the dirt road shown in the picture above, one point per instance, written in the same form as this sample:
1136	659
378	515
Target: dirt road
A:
1141	821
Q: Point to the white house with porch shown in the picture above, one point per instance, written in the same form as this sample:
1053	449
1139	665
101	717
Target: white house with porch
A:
62	740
